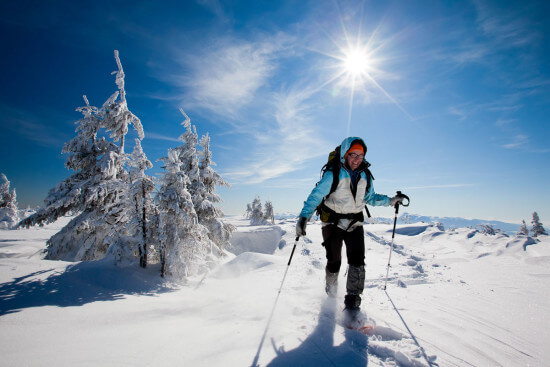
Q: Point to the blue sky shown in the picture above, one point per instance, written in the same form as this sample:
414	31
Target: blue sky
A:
452	97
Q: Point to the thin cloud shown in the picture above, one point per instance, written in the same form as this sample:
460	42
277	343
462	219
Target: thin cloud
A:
504	31
522	142
150	135
289	143
215	7
502	123
227	76
519	141
28	125
449	186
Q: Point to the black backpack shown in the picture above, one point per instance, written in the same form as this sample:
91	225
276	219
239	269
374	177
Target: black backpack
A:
333	164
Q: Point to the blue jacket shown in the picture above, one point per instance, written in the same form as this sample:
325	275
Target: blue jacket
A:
342	200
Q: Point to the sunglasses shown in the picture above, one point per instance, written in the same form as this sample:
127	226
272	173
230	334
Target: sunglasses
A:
356	156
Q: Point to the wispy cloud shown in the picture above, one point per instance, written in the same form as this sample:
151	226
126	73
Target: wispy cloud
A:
498	36
503	30
227	75
444	186
519	141
151	135
503	104
502	123
288	144
32	127
216	7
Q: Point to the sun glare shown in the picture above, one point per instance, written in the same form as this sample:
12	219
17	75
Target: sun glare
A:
356	62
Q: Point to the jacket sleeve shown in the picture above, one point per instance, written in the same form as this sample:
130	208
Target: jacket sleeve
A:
375	199
319	192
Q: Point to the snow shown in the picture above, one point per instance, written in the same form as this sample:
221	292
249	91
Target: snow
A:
466	297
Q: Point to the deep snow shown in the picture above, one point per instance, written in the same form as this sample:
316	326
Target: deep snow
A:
468	299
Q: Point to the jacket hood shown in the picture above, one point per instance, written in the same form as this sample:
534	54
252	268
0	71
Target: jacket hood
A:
347	143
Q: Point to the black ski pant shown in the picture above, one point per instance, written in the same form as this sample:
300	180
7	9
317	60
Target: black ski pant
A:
355	246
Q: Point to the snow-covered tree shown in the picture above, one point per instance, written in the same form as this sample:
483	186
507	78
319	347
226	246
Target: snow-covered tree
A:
115	113
256	214
209	215
184	247
190	231
486	229
139	207
523	229
537	228
9	215
269	216
98	190
248	212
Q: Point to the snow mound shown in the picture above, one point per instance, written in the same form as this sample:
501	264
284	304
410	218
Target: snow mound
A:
520	243
264	240
244	263
414	230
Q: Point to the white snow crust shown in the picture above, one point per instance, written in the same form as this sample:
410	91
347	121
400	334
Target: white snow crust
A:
467	298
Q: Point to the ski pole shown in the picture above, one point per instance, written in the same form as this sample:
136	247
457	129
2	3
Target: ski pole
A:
399	194
289	261
257	356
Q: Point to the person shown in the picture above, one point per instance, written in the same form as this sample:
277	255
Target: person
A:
341	212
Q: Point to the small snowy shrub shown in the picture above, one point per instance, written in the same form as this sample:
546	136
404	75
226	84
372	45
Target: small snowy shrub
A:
537	228
9	214
523	231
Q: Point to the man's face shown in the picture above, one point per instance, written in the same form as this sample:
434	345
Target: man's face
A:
354	159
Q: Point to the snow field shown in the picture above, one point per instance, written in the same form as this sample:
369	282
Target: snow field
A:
468	299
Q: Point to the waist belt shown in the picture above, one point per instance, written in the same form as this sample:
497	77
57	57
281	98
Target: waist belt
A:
328	215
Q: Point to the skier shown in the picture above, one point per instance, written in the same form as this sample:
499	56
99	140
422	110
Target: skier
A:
341	211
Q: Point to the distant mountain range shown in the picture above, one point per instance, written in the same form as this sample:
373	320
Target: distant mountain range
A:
448	222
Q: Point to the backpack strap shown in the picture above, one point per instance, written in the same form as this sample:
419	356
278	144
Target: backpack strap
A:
328	215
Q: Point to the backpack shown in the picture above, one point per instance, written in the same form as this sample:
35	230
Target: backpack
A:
333	164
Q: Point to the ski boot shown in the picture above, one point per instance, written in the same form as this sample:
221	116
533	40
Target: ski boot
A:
331	286
352	312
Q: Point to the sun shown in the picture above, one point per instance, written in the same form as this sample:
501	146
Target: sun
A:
355	62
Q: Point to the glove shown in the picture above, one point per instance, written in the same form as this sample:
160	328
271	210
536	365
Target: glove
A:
301	227
398	199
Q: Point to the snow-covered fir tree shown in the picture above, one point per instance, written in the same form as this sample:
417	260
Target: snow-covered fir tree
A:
208	213
256	213
269	216
189	158
184	247
203	181
115	113
537	228
9	214
139	209
97	192
523	231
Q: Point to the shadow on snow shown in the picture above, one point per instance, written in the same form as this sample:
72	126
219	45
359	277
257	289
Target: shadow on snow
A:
77	285
318	349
